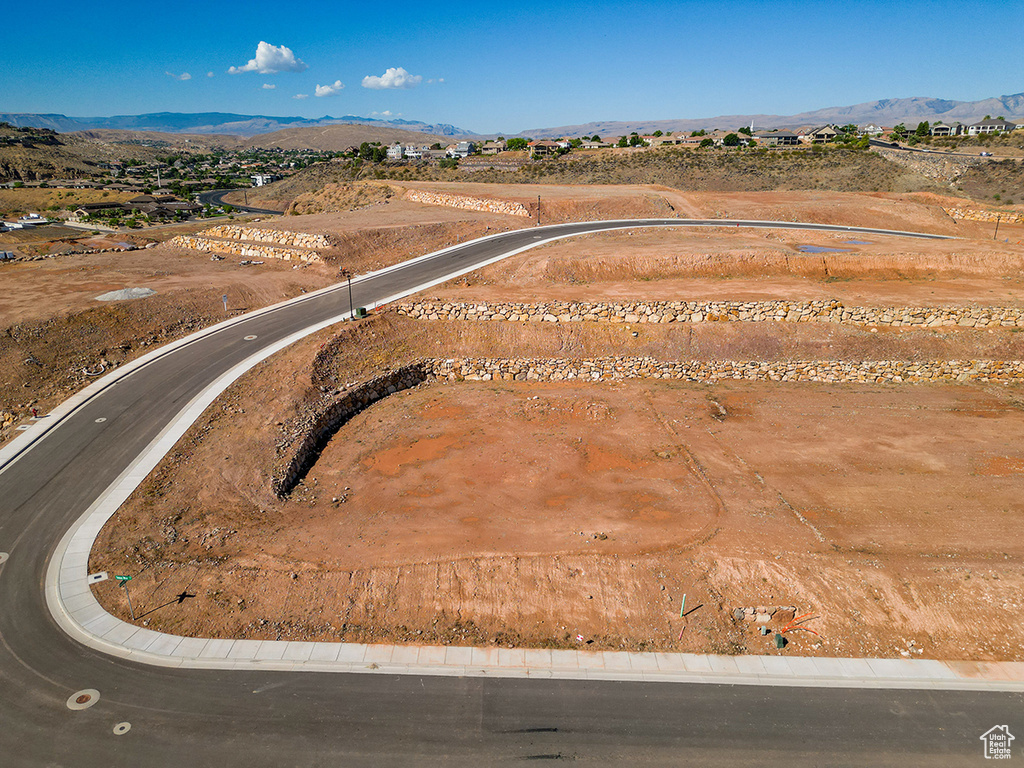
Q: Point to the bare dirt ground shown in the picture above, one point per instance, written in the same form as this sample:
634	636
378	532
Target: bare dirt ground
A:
536	514
531	514
53	329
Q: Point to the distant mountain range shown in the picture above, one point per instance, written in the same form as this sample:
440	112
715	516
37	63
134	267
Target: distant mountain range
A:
886	112
883	112
213	123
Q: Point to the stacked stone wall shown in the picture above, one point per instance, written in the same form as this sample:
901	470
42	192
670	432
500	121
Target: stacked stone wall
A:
710	371
975	214
467	203
249	250
716	311
272	236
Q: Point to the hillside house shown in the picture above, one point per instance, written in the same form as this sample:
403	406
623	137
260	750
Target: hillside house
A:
461	149
947	129
396	151
776	138
492	147
990	126
542	148
821	135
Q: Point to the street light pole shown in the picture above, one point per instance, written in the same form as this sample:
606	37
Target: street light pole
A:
351	307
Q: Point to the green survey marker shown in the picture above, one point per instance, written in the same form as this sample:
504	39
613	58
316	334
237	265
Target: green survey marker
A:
123	578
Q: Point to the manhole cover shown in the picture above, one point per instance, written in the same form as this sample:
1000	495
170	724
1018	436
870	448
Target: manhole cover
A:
122	728
83	699
250	338
101	419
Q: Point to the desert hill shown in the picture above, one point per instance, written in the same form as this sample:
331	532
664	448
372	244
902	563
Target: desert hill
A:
337	138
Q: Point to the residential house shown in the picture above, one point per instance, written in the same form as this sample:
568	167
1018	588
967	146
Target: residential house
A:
594	144
461	149
540	148
821	135
776	138
990	126
395	151
947	129
262	179
493	147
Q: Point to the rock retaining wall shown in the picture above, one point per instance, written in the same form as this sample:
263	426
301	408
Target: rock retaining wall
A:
467	203
973	214
710	371
716	311
249	250
272	236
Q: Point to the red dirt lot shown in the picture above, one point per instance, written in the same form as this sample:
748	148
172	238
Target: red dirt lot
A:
528	514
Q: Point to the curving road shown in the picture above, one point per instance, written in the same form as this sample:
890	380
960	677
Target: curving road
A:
197	717
216	197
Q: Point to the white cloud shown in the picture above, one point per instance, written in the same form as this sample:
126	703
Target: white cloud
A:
394	77
301	96
268	87
385	113
329	90
209	74
271	59
182	76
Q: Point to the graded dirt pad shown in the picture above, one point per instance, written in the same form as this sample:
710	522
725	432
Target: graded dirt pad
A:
724	263
530	513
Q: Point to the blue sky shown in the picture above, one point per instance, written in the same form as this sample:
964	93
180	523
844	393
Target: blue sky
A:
507	67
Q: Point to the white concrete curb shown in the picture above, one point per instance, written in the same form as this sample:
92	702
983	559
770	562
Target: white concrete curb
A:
72	604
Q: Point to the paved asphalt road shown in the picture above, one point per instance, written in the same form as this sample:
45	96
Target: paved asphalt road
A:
194	717
216	197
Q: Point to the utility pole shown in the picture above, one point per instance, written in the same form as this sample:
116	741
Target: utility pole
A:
351	307
538	210
996	235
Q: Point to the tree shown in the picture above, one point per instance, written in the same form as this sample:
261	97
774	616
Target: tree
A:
731	140
635	140
575	143
701	132
850	129
899	132
923	128
707	143
746	129
514	145
623	141
657	133
596	138
436	145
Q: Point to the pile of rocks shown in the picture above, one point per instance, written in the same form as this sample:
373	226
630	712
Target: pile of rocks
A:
763	614
974	214
467	203
831	311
